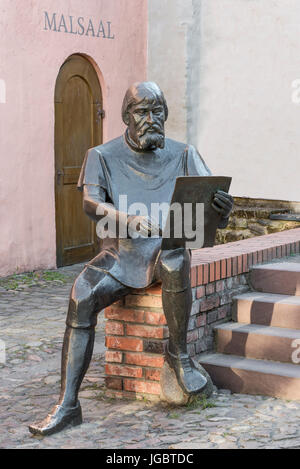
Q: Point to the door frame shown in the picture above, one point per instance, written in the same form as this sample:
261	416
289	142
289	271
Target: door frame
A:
86	69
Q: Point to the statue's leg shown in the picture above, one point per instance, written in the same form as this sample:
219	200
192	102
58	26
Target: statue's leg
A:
92	291
177	302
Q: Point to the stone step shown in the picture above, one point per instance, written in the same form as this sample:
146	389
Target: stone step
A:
260	342
267	309
248	376
282	278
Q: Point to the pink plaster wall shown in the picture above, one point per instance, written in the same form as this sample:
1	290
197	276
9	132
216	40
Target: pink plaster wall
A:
30	58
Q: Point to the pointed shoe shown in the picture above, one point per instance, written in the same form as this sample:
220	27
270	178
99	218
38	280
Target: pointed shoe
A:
59	419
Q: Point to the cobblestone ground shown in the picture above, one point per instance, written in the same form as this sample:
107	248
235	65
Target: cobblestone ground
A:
32	322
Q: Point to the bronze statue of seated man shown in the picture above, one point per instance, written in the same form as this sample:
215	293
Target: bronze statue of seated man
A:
143	165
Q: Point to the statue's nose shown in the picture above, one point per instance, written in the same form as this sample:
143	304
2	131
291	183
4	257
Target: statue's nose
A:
150	117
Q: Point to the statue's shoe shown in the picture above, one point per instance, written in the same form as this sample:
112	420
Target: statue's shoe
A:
59	419
190	379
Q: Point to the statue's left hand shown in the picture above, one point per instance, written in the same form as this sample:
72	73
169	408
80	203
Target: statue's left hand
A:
222	203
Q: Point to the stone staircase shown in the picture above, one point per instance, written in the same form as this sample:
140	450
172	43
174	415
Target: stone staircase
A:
258	353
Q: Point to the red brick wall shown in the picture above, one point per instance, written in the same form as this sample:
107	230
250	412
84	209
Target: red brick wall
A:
136	336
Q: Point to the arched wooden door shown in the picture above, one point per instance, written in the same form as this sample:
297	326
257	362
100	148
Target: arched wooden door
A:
78	126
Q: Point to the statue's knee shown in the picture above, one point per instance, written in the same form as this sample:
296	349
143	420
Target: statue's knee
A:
175	261
81	312
175	270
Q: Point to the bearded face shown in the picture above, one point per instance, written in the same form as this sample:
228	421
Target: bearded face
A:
146	124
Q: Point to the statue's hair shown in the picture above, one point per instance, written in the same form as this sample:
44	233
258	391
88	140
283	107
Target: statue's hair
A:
138	92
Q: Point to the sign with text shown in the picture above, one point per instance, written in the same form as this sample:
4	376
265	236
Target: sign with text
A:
77	25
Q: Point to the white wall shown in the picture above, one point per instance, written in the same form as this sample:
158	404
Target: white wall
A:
231	65
167	60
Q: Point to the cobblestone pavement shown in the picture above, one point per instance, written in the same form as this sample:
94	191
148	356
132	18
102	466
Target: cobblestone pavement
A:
32	322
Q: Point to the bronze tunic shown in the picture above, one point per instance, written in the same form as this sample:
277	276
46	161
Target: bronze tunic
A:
144	177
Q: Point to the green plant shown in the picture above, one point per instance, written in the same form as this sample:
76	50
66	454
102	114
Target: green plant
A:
29	279
199	401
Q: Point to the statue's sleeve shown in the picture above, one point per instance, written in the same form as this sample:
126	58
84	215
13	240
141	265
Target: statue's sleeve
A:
91	172
195	164
94	185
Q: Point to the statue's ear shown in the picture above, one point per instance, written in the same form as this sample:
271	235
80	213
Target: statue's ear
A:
166	110
126	118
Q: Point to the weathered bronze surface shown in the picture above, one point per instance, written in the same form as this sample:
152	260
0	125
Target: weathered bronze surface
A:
143	165
188	193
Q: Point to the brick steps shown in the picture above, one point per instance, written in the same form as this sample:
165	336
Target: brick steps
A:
282	278
249	376
256	341
259	354
267	309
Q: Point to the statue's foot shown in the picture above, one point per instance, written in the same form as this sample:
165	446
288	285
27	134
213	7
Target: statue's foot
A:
59	418
188	376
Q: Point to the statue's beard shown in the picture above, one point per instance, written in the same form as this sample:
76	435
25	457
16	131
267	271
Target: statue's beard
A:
151	141
150	137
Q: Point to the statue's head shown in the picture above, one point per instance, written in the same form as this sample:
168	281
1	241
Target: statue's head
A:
145	111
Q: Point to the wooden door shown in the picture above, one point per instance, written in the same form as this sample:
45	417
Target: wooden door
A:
78	126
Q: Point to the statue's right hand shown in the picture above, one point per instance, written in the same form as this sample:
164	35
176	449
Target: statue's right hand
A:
141	226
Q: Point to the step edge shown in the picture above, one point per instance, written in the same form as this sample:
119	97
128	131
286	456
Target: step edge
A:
260	297
228	326
286	370
283	267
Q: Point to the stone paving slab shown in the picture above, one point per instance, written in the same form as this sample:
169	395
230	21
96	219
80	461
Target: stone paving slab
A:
32	322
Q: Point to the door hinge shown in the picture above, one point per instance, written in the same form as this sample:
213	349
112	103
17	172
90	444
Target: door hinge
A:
101	113
59	173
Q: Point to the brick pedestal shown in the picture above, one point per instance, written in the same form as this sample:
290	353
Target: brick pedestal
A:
136	336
